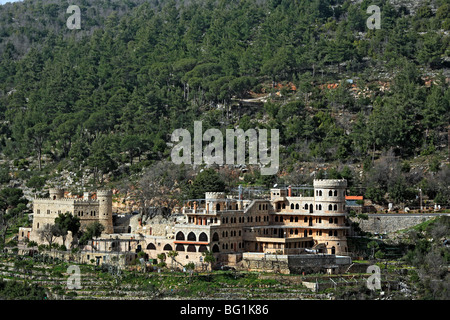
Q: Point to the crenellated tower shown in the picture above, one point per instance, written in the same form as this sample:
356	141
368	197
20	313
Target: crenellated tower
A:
104	198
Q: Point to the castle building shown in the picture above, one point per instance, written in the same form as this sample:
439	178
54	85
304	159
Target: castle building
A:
295	220
306	221
89	209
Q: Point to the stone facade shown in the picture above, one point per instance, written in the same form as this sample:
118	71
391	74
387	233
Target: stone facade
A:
292	221
387	223
89	209
287	223
295	264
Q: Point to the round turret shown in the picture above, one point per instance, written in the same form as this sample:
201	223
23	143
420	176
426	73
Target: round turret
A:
214	195
330	190
104	198
56	193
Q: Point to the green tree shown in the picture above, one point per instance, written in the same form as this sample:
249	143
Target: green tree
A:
172	255
208	257
67	222
207	180
37	135
101	163
93	230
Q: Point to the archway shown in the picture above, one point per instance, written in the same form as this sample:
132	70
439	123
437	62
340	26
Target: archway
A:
167	247
179	236
203	237
191	237
151	246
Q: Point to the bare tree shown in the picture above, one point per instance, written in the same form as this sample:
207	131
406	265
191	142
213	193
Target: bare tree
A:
49	233
161	185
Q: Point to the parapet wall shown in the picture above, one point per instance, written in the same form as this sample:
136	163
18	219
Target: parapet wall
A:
390	223
330	183
295	264
215	195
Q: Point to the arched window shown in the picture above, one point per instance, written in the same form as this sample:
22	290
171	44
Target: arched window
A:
218	207
203	248
215	248
330	193
310	232
333	250
335	207
203	237
191	248
151	246
292	206
330	220
168	247
215	237
320	207
297	206
330	233
330	207
306	206
320	193
305	233
179	247
335	193
191	237
336	220
335	233
291	219
180	236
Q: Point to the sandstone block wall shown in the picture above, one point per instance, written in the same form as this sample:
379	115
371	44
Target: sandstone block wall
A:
390	223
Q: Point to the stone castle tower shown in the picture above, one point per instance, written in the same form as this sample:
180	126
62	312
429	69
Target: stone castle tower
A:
104	198
88	209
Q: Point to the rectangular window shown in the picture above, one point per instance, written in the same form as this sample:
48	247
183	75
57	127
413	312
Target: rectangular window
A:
48	211
38	211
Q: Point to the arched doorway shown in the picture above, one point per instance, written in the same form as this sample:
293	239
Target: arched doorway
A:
179	236
203	237
191	237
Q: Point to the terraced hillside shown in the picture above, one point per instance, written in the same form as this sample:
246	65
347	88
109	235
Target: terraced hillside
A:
103	283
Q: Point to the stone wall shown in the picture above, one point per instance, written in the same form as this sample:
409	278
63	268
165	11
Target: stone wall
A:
294	264
387	223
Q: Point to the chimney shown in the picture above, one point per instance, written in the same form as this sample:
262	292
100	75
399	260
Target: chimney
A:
289	191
